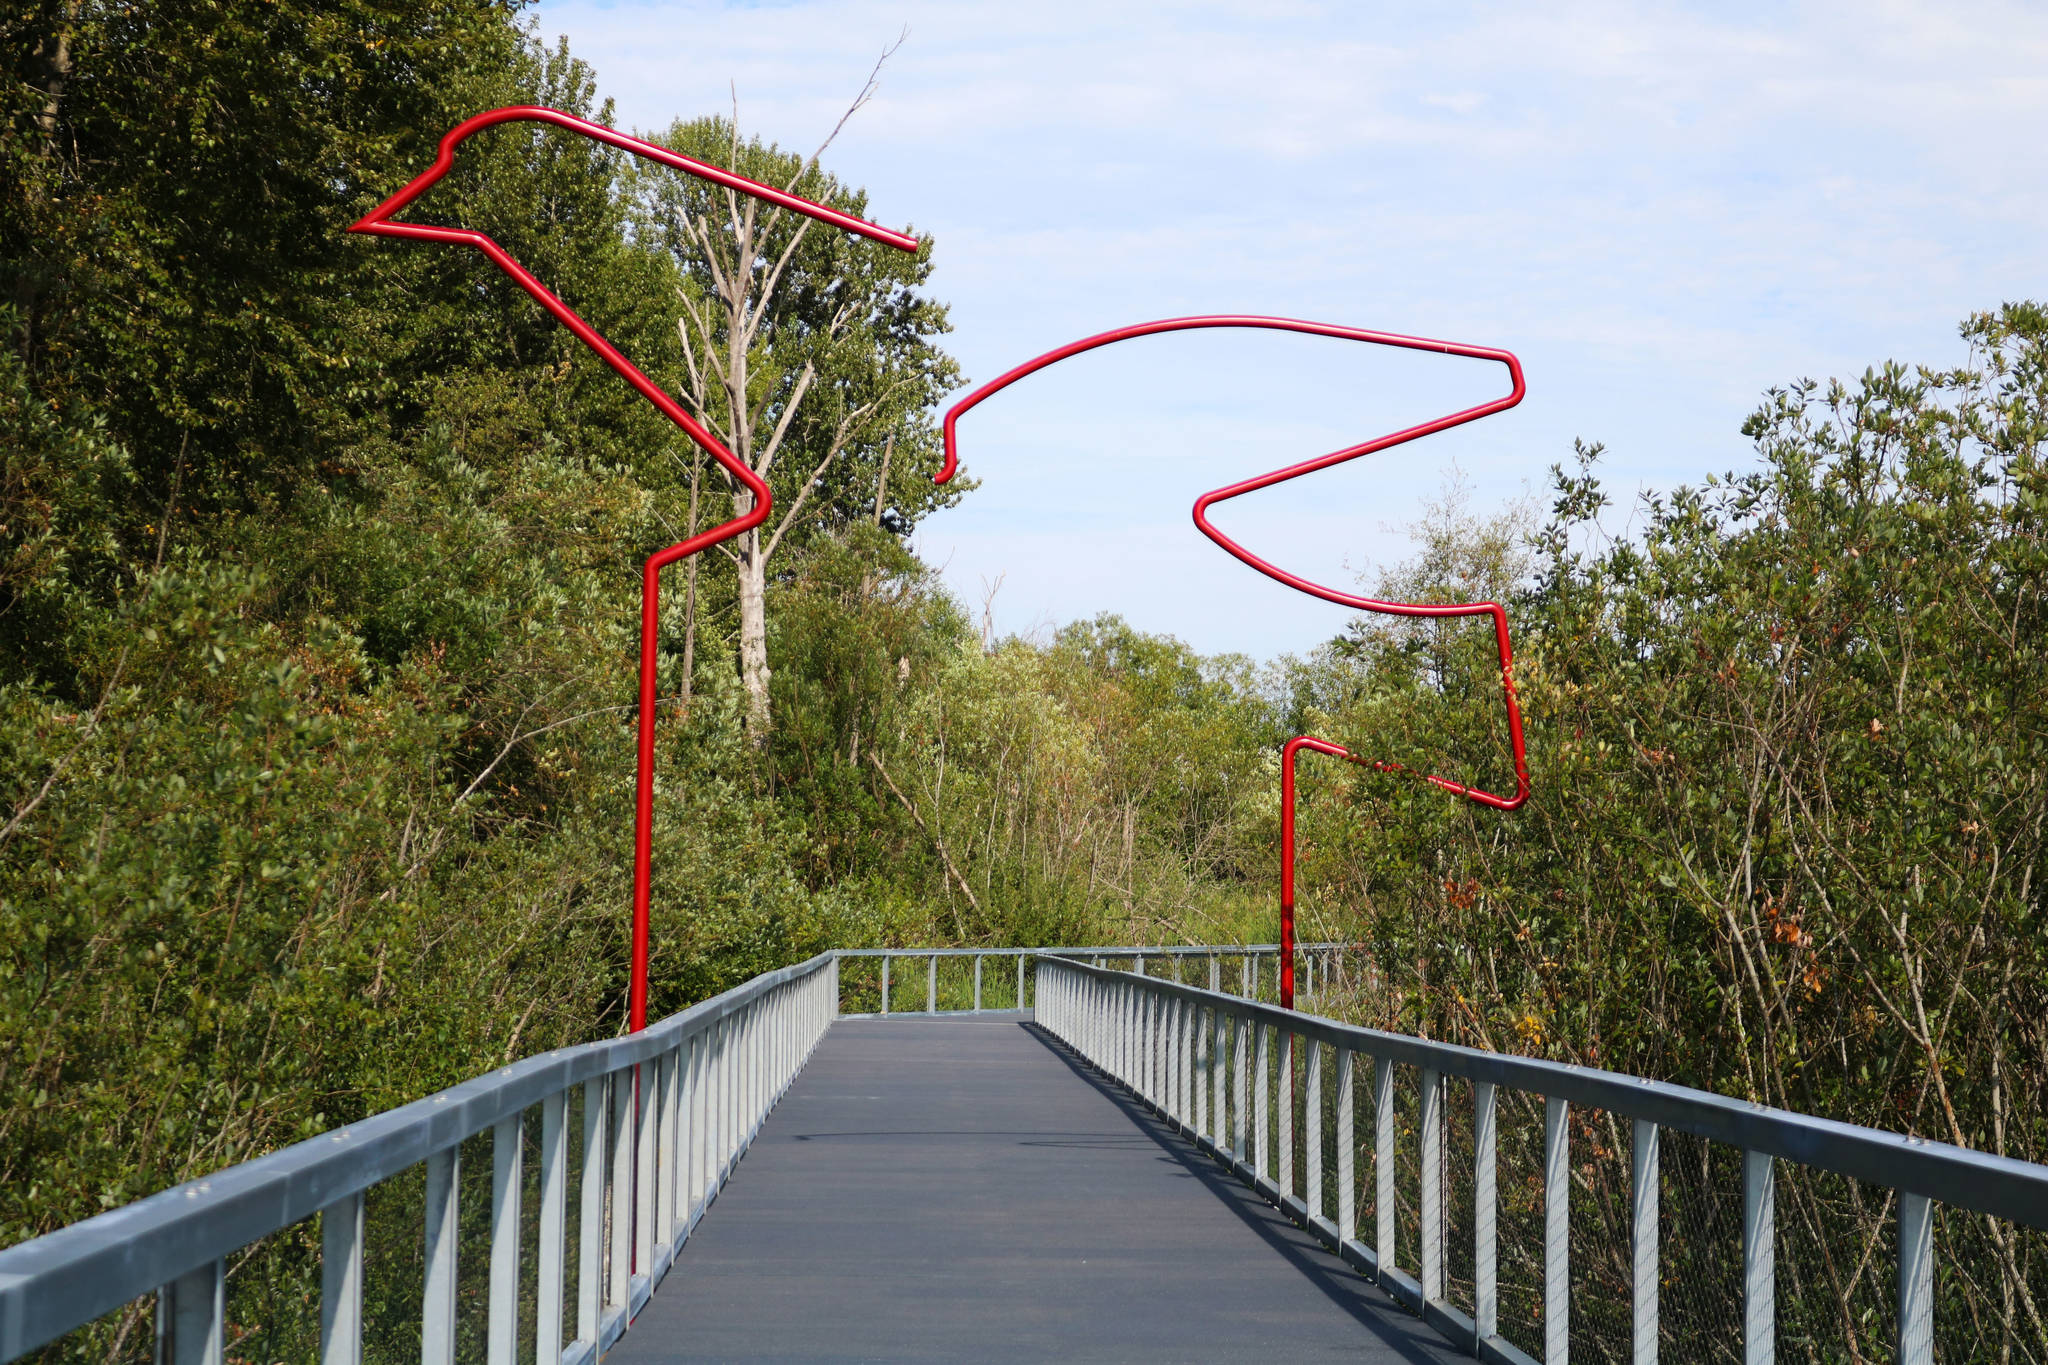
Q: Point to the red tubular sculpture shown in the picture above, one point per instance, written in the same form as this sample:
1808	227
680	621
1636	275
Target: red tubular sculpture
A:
378	222
1201	513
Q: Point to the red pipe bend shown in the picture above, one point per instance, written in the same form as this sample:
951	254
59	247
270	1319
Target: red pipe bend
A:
1517	389
377	222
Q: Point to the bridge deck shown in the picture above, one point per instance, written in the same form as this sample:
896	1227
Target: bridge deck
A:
957	1189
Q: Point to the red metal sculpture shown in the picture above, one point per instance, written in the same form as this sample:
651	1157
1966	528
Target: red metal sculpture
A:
378	222
1207	500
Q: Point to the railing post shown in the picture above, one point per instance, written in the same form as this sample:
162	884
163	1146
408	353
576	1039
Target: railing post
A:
507	1169
1262	1082
1432	1124
694	1145
1312	1127
341	1281
1916	1279
1557	1275
931	984
1286	1098
1240	1042
554	1208
437	1306
1245	979
1759	1258
1347	1149
977	983
589	1225
1383	1164
669	1148
622	1190
1020	981
1219	1054
1213	972
1485	1205
644	1183
1644	1211
190	1317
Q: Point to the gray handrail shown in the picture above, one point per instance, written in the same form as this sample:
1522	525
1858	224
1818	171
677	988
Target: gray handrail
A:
61	1281
1201	1060
1979	1181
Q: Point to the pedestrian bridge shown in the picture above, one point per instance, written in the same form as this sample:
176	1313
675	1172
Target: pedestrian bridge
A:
1098	1153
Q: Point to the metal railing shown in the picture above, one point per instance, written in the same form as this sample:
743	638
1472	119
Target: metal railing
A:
1250	960
1242	1079
666	1114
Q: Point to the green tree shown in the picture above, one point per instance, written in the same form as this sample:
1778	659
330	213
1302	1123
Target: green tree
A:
807	351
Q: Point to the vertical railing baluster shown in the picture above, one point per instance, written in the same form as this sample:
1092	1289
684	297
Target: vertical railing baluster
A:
589	1217
501	1340
1644	1210
645	1186
1219	1069
885	983
1262	1142
1176	1060
977	983
621	1171
1312	1126
1383	1164
1214	970
1431	1107
1557	1194
437	1303
1020	981
1245	979
931	984
1347	1148
694	1145
341	1281
1286	1098
666	1214
1239	1064
1485	1206
554	1208
191	1314
1759	1258
1916	1279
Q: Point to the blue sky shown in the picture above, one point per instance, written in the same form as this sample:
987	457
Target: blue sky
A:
1664	210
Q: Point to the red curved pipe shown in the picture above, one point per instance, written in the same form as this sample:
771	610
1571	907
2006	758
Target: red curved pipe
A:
1517	389
1287	753
378	222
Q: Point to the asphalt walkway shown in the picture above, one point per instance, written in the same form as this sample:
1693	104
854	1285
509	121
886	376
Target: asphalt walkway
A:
961	1189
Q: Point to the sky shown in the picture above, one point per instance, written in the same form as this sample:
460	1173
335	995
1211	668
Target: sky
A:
1663	210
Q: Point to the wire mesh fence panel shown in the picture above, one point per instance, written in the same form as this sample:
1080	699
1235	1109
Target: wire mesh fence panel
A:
1407	1169
1837	1262
1990	1290
1519	1218
1699	1291
394	1266
271	1303
1458	1212
860	985
1600	1264
473	1250
954	980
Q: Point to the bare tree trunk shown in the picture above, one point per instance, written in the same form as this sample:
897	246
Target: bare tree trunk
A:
690	591
753	576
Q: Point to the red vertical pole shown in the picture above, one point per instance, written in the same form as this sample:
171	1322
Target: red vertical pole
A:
378	222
